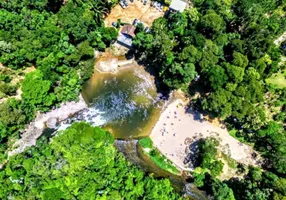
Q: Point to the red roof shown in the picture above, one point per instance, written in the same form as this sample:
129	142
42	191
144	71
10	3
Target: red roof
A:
129	30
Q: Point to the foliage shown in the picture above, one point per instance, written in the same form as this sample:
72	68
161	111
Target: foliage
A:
146	142
207	156
234	61
278	80
79	163
160	160
258	184
272	142
58	38
216	188
12	117
229	45
36	90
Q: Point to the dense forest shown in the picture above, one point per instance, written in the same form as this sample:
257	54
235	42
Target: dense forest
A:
225	51
59	40
79	163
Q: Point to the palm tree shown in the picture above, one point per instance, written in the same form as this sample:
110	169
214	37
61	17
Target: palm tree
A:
99	7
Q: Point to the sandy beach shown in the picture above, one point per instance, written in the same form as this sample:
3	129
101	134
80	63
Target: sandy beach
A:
177	129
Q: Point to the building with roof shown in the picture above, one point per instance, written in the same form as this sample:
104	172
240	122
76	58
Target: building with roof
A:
128	30
124	40
125	36
178	5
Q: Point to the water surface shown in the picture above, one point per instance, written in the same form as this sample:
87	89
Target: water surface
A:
125	103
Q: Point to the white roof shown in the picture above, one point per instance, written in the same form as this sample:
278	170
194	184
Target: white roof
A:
123	39
178	5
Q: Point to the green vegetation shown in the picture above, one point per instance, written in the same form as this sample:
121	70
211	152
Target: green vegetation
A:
160	160
146	143
7	86
79	163
208	168
226	51
207	156
257	184
230	46
230	162
278	80
58	39
224	47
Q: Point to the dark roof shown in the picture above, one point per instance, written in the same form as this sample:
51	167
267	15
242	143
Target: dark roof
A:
128	30
124	40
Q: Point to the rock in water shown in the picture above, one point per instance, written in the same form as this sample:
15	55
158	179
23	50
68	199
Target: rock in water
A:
52	123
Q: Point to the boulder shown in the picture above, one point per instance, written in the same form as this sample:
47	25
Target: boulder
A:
52	123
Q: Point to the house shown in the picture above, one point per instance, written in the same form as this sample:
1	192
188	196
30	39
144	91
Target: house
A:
124	40
178	5
128	30
125	36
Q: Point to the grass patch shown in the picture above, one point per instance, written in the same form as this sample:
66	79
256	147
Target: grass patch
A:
278	80
154	154
238	135
146	142
231	162
233	133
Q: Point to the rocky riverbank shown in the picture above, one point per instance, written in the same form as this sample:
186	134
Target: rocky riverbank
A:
48	120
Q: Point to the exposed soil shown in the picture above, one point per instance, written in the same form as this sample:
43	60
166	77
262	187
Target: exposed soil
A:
178	130
144	13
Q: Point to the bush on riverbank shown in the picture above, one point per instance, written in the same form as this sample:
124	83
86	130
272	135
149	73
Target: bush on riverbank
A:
160	160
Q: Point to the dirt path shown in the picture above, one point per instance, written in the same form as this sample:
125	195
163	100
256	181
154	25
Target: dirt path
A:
144	13
176	130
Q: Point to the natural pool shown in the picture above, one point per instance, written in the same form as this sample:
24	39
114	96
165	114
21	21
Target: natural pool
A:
125	103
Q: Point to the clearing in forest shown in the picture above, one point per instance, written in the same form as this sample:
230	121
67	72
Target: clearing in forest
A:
144	13
278	80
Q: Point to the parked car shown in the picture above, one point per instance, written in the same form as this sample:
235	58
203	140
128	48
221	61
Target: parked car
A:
147	30
144	2
131	1
114	24
122	4
135	22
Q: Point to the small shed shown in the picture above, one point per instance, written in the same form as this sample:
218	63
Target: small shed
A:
178	5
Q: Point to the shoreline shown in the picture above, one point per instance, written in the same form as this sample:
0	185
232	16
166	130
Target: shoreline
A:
178	128
35	129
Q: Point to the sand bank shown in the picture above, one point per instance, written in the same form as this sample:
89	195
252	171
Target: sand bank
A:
177	129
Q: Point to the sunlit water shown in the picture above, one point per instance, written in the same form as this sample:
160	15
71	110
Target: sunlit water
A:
125	103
